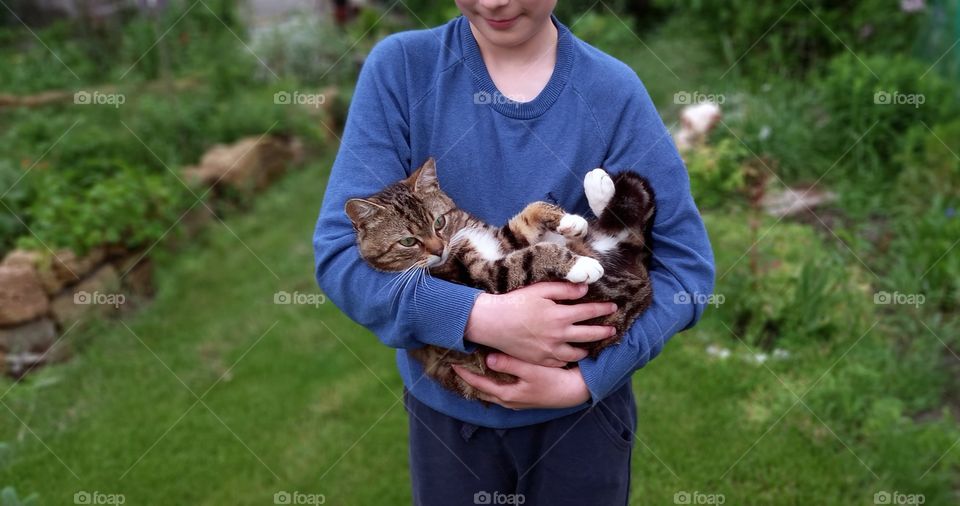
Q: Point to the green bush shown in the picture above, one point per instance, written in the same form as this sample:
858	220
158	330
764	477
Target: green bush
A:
870	103
309	49
781	284
929	160
790	37
607	32
717	175
15	196
923	256
132	46
132	207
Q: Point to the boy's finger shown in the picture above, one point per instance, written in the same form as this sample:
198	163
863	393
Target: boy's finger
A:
481	383
587	333
557	290
581	312
571	354
501	362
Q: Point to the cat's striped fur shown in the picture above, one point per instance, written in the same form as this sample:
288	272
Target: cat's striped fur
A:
412	226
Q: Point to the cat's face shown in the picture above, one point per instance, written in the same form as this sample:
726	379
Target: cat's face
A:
406	224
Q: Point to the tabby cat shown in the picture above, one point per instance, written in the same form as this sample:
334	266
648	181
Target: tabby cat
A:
414	228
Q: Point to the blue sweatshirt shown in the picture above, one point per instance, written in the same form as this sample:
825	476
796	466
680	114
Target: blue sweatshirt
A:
428	93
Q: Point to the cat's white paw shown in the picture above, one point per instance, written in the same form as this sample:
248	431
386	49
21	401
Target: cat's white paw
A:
599	188
572	225
585	270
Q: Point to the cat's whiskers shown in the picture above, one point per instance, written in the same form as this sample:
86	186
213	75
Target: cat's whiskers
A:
400	281
396	279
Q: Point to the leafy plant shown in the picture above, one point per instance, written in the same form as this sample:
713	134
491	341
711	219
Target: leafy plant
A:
785	286
131	207
716	172
788	38
9	497
923	257
870	103
15	197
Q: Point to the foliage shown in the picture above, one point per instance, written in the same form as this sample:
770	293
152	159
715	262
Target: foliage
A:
15	196
310	49
929	161
781	284
717	173
871	102
607	32
133	45
790	37
9	497
922	257
130	207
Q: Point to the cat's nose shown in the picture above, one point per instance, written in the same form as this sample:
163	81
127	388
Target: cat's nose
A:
434	246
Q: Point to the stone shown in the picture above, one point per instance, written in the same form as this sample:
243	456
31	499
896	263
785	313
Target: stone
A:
794	201
37	336
248	165
41	262
136	274
71	268
22	297
196	219
97	295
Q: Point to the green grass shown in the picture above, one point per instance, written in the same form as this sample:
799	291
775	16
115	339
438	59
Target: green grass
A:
299	411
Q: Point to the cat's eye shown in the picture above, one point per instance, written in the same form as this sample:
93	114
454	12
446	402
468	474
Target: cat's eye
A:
439	222
408	241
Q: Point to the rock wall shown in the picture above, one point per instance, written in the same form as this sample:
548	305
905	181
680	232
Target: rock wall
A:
44	294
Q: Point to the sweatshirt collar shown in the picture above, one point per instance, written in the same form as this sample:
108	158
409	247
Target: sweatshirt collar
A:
487	92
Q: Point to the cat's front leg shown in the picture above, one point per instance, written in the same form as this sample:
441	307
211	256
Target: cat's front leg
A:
532	224
540	262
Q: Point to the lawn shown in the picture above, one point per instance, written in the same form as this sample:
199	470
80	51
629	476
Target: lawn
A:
213	394
796	388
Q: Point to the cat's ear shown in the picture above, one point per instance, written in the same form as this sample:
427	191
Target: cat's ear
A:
424	180
359	210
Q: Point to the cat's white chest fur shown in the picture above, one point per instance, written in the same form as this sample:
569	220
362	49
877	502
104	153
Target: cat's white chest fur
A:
483	242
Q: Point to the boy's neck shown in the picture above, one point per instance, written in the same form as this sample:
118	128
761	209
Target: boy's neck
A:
521	70
542	43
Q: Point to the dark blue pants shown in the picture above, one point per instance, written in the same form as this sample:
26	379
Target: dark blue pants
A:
580	459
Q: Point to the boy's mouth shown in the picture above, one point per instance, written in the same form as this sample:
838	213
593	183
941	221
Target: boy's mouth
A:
501	24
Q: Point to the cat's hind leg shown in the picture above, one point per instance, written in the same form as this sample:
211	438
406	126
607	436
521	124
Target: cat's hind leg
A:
623	201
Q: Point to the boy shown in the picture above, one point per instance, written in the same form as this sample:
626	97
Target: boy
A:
514	108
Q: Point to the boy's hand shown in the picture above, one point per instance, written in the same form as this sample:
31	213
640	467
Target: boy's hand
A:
527	324
538	386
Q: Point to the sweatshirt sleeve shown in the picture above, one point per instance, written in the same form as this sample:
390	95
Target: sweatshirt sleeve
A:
374	152
682	268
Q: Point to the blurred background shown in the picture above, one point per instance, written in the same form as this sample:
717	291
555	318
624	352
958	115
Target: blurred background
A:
163	340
